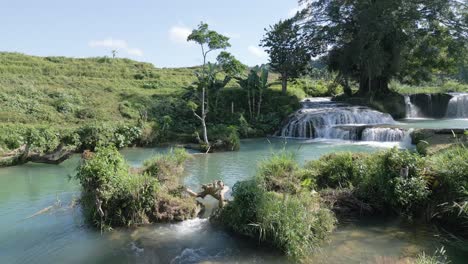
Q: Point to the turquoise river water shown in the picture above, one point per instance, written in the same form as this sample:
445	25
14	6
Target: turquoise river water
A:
60	236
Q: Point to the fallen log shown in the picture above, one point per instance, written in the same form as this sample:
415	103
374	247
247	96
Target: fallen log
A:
23	155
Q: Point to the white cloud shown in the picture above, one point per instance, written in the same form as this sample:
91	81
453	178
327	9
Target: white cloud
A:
135	52
108	43
258	52
117	44
179	34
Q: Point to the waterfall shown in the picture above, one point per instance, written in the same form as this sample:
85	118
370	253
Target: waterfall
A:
458	106
384	134
412	111
321	118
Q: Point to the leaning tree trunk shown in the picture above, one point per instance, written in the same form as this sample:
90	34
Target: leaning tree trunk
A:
284	84
373	86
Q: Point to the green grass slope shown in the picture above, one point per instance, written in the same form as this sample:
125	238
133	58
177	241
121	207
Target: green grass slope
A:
59	90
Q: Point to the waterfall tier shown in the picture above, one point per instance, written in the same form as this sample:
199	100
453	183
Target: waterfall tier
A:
458	106
384	134
321	118
438	105
412	111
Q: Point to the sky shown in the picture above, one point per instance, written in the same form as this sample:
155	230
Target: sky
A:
144	30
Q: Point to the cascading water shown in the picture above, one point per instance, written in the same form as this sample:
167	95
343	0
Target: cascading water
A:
458	106
322	118
384	134
412	111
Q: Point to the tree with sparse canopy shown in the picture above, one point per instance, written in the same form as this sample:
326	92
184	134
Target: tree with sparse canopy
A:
372	41
289	55
207	82
209	41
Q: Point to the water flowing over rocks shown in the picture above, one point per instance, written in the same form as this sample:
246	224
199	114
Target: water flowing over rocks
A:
438	105
458	106
323	118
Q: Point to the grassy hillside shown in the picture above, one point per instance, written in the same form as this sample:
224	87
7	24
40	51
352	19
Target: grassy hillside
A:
38	90
48	102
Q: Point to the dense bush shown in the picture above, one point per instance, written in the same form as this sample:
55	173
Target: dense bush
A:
274	209
112	196
39	139
280	173
224	137
319	88
334	170
391	181
449	170
296	224
120	135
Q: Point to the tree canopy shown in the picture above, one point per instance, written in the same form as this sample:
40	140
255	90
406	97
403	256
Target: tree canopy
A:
372	41
288	53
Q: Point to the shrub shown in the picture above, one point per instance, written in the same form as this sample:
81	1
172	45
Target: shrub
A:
280	173
449	170
120	135
335	170
164	167
112	196
150	134
85	113
224	137
275	210
384	183
391	181
296	224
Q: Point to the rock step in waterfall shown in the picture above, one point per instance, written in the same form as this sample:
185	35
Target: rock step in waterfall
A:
438	105
322	118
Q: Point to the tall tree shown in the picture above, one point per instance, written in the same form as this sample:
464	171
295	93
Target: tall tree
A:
288	53
371	41
209	41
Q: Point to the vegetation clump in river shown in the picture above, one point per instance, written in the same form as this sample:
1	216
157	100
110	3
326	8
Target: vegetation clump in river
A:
281	205
113	195
278	211
400	183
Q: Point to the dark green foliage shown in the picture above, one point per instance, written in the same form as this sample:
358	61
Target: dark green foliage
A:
372	41
401	182
120	135
288	52
224	137
391	181
112	196
334	170
40	139
449	170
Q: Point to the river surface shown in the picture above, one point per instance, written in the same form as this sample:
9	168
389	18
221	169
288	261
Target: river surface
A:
433	123
58	234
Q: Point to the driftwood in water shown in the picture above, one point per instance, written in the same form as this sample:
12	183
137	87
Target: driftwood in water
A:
59	155
23	155
216	189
